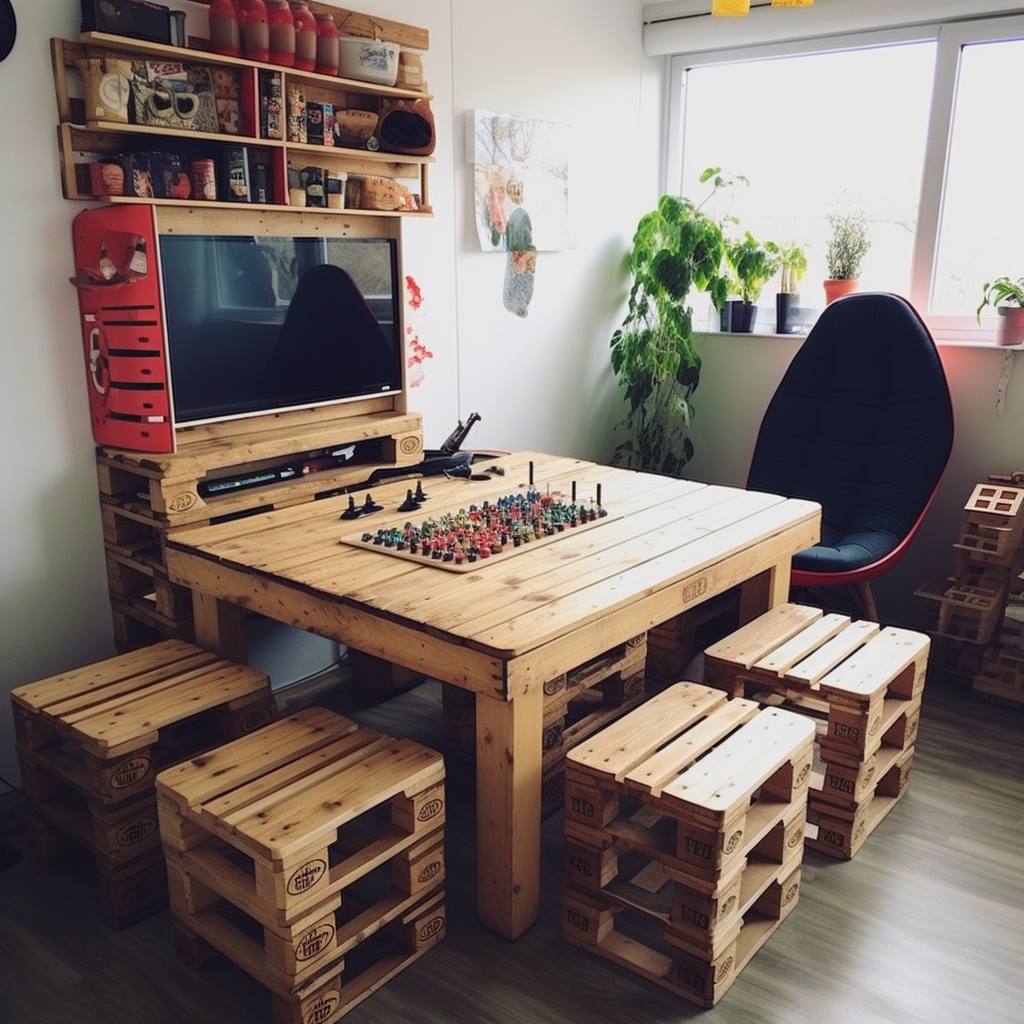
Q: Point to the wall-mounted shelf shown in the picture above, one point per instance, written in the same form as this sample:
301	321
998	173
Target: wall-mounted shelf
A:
102	137
271	207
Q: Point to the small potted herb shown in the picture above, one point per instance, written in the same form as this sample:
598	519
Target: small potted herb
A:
847	247
1006	297
754	266
793	261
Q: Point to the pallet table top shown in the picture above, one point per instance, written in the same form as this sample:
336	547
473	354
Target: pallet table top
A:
666	532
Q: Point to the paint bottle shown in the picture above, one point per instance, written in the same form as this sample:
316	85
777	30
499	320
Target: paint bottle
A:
253	19
305	36
225	30
282	33
328	47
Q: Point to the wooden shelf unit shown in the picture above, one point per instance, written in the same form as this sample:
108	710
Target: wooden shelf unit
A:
108	137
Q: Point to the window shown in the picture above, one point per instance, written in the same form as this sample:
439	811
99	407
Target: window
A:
982	228
913	127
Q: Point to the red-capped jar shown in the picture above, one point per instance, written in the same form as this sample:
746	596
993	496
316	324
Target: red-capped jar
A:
305	36
328	47
253	18
282	33
225	30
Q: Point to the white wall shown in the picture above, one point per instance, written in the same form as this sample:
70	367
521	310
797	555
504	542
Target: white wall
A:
740	375
542	382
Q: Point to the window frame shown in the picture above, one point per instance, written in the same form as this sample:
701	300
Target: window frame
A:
952	38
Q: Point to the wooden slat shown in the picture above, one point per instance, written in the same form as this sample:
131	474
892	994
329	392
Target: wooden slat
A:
804	643
764	634
877	663
204	778
324	807
617	750
814	668
727	776
656	772
156	657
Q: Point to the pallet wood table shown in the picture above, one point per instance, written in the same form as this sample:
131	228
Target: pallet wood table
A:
502	631
686	820
268	839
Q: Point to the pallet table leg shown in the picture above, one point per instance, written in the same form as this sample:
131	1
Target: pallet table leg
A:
508	785
764	592
220	627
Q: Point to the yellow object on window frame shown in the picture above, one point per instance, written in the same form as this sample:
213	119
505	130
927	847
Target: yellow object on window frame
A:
730	8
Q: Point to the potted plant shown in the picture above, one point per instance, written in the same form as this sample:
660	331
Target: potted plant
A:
754	265
793	261
1006	297
677	248
847	247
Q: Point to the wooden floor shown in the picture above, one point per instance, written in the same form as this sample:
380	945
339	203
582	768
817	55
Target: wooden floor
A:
927	923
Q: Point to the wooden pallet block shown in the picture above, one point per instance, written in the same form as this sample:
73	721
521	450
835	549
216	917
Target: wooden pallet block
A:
168	489
842	831
970	605
284	801
594	922
341	985
132	577
715	774
128	890
288	956
102	727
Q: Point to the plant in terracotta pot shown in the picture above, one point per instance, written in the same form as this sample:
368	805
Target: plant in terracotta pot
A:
754	265
1006	297
847	247
793	262
677	249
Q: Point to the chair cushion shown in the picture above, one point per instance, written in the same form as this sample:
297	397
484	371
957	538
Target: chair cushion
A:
862	423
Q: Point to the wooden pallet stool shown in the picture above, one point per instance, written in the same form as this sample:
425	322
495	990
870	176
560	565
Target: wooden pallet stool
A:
684	836
91	741
865	681
305	850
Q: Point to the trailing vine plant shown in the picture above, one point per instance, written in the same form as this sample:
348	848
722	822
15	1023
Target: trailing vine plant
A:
678	247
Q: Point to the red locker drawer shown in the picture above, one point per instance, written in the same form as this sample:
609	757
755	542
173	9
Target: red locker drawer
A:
130	402
134	338
136	369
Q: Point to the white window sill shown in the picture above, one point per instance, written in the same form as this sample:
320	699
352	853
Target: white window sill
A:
941	342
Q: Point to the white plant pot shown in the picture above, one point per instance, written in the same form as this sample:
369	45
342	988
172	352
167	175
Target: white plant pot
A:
368	61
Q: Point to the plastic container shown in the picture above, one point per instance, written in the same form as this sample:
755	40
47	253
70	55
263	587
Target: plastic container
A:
254	22
305	36
225	28
365	60
282	33
328	46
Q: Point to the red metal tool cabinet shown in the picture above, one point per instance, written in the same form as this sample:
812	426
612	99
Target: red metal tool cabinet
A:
123	328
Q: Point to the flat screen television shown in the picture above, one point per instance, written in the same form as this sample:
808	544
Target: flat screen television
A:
266	324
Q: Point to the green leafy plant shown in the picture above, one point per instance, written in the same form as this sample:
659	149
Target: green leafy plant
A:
793	261
677	248
754	265
1003	291
847	246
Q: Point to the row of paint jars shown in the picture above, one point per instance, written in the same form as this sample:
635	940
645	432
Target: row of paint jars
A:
277	32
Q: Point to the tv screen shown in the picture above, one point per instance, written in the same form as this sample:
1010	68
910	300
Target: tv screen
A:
263	324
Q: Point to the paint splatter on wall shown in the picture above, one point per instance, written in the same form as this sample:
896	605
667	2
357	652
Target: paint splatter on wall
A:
418	353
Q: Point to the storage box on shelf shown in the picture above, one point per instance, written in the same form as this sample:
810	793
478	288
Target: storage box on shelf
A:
576	705
863	681
91	741
311	855
144	496
684	837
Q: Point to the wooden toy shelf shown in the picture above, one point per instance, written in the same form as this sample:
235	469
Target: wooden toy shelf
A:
110	137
